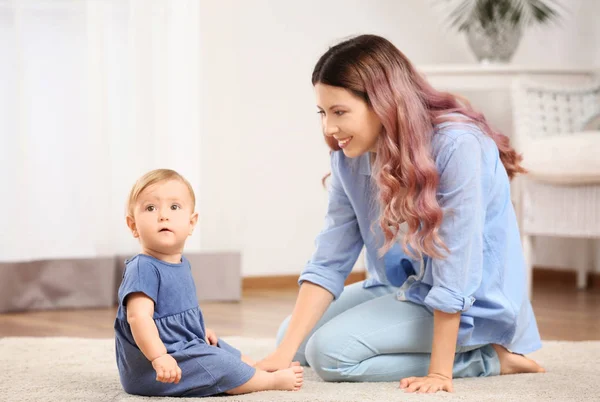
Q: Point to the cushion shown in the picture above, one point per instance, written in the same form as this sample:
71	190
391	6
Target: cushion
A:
592	123
572	158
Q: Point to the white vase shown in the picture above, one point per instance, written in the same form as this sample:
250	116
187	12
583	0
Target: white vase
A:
496	43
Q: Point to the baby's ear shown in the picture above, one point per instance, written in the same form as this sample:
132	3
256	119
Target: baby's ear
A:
132	226
193	222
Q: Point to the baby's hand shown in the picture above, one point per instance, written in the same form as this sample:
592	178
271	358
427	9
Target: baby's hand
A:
166	369
211	337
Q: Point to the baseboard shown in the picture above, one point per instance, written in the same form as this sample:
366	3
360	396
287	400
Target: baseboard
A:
288	281
565	277
540	274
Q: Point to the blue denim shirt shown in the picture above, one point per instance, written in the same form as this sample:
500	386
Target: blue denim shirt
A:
483	277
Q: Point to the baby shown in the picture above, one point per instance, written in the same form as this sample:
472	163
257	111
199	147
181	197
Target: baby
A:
162	345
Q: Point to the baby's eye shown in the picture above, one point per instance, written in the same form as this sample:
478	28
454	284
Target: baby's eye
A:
175	207
150	208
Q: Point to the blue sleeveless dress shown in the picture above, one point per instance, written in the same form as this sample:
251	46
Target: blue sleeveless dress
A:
206	370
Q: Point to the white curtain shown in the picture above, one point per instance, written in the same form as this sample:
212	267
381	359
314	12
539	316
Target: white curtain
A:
93	93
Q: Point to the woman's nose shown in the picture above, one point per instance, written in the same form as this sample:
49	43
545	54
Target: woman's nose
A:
330	129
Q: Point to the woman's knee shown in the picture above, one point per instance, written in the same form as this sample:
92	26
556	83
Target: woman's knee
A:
323	356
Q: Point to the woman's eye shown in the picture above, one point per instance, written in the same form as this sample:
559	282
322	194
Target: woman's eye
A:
339	112
321	112
150	208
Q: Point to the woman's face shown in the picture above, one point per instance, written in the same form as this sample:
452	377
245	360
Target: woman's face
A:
348	119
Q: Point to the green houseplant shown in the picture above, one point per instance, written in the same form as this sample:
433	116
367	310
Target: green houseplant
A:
494	27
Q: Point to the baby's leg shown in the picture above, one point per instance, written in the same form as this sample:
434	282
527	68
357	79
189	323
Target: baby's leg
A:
248	360
290	379
228	348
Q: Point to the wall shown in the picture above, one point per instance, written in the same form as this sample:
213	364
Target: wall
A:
262	152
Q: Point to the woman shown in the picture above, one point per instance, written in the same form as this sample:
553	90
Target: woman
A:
422	181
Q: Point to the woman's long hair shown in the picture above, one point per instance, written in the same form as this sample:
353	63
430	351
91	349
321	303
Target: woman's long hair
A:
409	108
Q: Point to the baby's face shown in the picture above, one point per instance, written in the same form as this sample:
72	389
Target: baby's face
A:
164	216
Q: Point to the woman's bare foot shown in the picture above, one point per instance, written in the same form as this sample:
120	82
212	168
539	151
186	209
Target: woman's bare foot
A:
513	363
289	379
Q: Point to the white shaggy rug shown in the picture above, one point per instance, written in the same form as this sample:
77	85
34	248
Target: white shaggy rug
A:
72	369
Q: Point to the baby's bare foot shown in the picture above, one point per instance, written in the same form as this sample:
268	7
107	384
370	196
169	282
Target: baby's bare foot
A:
289	379
513	363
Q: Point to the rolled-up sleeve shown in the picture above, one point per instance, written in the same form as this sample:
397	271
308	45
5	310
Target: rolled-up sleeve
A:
339	243
457	277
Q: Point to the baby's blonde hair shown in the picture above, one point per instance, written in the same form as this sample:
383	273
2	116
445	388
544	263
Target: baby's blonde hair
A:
153	177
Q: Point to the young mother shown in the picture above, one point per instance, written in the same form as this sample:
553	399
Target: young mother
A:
422	181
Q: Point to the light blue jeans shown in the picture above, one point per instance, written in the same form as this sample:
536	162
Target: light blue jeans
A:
369	335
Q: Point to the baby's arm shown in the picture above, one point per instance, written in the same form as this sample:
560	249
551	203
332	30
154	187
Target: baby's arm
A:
140	312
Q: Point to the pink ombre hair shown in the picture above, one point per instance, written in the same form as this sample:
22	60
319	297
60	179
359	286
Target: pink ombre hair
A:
409	108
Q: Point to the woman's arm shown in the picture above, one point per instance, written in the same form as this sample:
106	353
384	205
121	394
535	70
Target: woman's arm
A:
310	306
455	278
439	377
140	312
445	334
322	280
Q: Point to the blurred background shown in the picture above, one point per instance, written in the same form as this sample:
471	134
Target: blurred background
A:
94	93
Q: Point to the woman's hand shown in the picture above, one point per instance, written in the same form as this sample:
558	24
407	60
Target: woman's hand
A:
211	337
427	385
166	368
445	333
275	361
